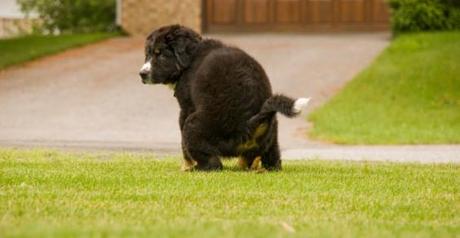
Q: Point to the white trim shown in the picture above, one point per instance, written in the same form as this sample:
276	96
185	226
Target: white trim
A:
119	11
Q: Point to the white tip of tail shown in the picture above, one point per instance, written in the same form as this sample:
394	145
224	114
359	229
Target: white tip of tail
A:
300	104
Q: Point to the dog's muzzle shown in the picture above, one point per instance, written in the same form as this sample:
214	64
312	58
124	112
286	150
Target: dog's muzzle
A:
145	72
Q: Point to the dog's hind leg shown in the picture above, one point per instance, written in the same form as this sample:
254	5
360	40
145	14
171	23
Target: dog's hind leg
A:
271	158
245	161
250	161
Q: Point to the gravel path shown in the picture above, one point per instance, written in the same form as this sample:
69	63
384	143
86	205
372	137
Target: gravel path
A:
91	97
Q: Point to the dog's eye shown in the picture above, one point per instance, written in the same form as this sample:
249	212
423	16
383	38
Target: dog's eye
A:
156	52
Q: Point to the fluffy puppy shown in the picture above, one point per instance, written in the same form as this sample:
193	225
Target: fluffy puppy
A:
225	97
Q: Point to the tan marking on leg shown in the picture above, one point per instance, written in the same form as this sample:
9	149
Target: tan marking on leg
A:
257	165
188	165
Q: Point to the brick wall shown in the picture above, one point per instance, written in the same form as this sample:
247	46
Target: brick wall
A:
140	17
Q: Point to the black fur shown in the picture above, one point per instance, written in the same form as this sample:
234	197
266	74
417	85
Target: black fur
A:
226	101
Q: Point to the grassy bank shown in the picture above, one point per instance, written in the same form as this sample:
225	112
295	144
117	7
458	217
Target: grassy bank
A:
22	49
409	95
47	193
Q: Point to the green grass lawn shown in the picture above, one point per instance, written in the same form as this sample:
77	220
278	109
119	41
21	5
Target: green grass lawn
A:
48	193
22	49
409	95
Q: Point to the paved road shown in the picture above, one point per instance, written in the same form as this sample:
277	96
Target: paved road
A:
315	66
404	153
91	97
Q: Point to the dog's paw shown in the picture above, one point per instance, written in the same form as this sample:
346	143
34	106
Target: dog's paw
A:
256	165
187	166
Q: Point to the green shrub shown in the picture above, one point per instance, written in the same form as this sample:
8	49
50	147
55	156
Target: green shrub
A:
72	16
424	15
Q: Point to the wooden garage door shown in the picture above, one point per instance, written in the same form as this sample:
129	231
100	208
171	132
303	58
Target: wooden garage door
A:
295	15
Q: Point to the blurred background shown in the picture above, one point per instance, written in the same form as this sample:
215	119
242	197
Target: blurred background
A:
384	78
69	69
140	17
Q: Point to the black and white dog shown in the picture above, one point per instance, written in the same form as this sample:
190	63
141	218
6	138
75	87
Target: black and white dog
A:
226	101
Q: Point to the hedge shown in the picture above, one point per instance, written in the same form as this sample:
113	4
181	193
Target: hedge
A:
424	15
72	16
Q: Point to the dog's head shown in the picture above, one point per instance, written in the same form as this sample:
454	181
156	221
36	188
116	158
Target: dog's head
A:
168	51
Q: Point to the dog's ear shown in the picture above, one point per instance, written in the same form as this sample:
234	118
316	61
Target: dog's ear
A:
183	41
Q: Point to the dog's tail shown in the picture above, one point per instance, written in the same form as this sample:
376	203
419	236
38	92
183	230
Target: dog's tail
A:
278	103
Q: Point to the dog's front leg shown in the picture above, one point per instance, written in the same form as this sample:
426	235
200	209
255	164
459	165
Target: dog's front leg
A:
197	144
188	162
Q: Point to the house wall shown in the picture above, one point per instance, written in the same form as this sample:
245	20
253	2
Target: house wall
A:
140	17
12	20
11	27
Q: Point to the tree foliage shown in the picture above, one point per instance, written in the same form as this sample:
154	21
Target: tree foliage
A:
72	16
424	15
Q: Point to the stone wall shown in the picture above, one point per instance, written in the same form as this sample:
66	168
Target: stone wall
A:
10	27
140	17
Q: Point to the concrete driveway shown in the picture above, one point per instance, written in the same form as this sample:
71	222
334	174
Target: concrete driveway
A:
92	97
